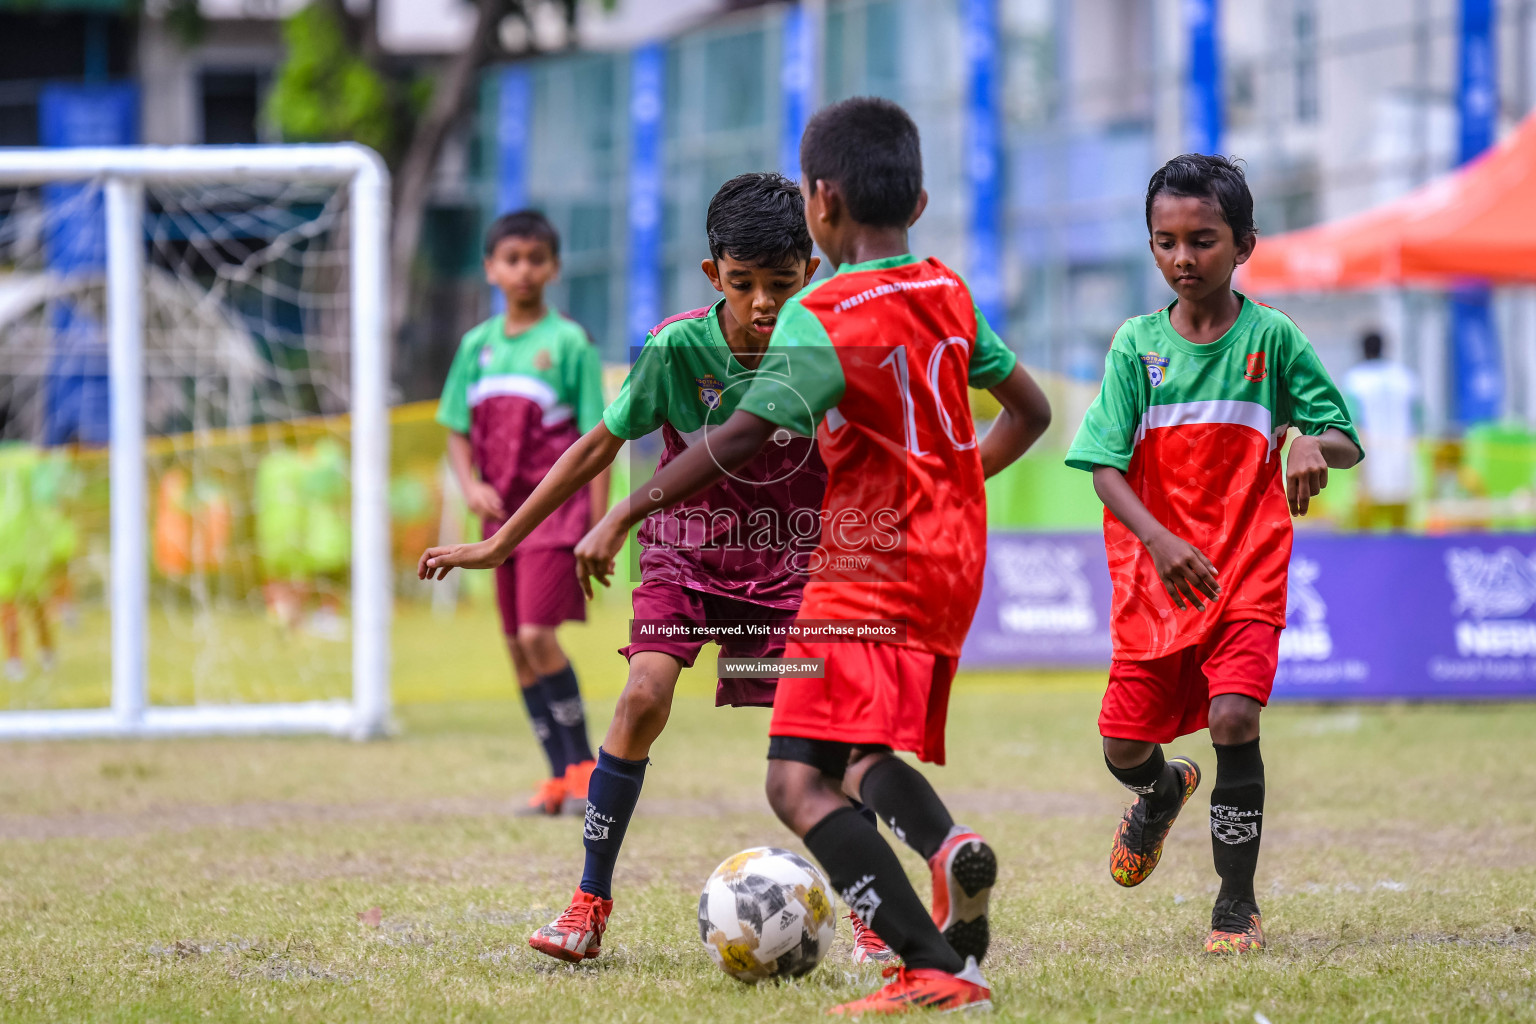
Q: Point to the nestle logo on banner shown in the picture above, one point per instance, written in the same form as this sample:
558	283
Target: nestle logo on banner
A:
1501	587
1044	589
1306	636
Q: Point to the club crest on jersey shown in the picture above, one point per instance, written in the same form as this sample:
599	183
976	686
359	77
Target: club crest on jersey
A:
710	390
1157	367
1256	371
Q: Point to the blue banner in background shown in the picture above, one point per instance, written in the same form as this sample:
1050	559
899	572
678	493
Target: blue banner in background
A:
797	86
75	391
983	161
1368	617
1477	368
1203	114
514	111
647	99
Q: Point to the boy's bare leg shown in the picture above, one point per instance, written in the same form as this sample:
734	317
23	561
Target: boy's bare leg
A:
612	793
10	625
44	635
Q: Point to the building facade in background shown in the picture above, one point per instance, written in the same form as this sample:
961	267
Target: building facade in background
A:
1333	107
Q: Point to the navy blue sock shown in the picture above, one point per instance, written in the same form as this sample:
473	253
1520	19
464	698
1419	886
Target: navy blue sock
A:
611	798
544	729
570	719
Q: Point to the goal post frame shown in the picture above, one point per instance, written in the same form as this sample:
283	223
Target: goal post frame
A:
124	170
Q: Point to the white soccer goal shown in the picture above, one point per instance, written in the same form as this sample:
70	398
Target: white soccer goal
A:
194	488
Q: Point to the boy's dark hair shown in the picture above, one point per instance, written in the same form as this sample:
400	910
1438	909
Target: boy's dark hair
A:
1370	344
522	224
759	218
1206	177
870	147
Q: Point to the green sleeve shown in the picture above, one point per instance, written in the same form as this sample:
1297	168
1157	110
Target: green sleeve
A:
800	377
589	386
1315	403
641	406
991	359
453	407
1107	436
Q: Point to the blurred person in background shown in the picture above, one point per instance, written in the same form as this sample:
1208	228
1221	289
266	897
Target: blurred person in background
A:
1382	395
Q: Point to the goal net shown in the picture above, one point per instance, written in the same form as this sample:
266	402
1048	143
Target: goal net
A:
193	441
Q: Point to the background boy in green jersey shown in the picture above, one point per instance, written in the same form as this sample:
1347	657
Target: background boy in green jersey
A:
732	555
523	388
1184	445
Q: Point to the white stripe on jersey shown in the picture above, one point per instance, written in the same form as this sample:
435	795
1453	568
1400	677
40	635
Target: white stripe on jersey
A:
520	385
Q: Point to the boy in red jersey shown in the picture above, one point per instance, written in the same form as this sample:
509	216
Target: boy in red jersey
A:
1184	445
875	362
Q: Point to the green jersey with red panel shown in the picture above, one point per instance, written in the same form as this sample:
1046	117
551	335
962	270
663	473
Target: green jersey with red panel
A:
1197	431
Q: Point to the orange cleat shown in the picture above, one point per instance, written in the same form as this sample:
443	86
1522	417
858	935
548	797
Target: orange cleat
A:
577	778
577	934
964	871
924	988
546	800
1138	842
1235	928
869	948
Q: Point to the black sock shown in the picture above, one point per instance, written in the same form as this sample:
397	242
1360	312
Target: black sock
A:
867	813
864	870
564	697
611	798
902	796
1153	779
544	728
1237	817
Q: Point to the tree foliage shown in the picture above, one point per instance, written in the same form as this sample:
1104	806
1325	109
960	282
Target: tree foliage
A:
326	92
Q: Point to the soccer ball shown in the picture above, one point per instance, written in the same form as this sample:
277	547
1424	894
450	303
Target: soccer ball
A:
765	913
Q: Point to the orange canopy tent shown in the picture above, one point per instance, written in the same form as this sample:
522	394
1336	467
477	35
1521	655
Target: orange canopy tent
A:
1476	224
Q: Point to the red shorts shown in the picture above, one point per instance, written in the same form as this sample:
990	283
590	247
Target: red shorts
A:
539	588
1159	700
664	602
872	695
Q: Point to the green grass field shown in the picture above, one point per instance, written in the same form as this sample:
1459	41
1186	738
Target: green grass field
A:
192	880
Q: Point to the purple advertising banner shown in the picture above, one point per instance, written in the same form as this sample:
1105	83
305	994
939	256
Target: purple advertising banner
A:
1369	617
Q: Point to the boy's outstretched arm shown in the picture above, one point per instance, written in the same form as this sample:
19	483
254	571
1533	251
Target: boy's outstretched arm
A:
726	448
1026	413
1311	456
582	462
1185	571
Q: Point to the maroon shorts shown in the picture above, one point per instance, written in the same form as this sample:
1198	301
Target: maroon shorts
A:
539	588
871	695
663	602
1159	700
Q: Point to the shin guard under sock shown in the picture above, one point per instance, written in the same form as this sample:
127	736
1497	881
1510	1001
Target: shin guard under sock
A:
1237	817
864	870
901	795
611	798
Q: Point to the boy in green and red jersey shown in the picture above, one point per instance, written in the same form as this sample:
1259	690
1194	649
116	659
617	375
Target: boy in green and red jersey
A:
876	361
524	386
1184	445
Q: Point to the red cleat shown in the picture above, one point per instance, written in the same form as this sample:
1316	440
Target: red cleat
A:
577	934
546	800
869	948
924	988
964	871
577	778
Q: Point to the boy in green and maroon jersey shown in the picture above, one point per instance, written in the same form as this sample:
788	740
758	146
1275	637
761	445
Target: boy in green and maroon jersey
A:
524	386
1184	445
